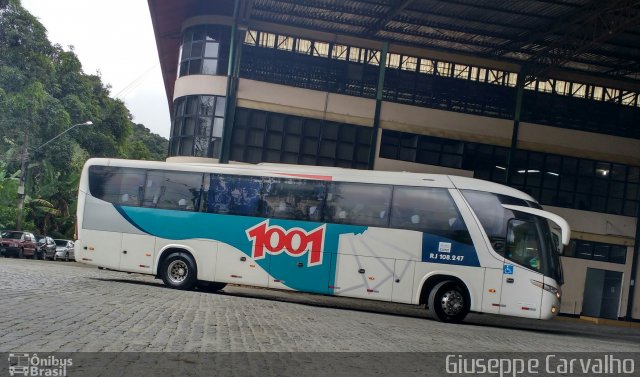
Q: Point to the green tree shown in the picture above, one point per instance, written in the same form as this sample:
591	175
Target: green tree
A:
43	91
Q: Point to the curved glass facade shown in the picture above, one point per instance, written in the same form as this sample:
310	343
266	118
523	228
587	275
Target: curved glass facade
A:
197	126
204	50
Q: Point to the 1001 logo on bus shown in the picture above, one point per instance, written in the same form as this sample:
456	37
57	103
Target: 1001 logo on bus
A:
296	242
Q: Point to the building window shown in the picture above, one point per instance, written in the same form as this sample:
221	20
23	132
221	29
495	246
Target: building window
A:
555	180
597	251
260	136
197	126
420	81
204	51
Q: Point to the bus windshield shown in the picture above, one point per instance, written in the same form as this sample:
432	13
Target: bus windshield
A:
522	238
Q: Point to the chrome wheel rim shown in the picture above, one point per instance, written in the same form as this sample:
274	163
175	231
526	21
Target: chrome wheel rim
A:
452	302
178	271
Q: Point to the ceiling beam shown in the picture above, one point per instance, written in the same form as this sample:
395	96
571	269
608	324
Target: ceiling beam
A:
487	7
326	15
549	29
393	11
602	24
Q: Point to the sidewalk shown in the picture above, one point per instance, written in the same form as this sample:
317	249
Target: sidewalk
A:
599	321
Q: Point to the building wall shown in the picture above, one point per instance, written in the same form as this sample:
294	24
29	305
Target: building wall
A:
575	272
200	84
395	165
433	122
359	111
597	227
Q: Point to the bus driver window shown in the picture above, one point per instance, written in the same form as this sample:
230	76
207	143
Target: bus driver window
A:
523	246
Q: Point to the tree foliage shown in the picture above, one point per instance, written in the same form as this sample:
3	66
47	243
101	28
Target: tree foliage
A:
43	92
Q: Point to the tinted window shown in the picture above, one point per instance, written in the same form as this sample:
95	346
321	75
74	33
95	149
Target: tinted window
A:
523	244
430	210
173	190
293	199
597	251
618	254
358	203
235	195
493	217
601	252
122	186
584	250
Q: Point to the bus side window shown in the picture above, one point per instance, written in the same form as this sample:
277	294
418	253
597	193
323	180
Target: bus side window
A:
428	210
294	199
358	204
523	246
121	186
234	195
173	190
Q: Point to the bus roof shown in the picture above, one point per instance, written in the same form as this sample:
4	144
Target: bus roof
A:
324	173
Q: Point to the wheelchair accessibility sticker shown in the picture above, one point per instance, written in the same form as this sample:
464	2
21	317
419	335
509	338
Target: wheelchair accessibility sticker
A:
508	269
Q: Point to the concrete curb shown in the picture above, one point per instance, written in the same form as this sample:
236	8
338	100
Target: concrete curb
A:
600	321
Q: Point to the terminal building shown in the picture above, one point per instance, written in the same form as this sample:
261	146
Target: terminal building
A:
540	95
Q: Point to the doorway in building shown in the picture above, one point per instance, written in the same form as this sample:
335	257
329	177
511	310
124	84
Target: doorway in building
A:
602	293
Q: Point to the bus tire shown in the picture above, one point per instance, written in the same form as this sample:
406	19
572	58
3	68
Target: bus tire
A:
179	271
210	286
447	302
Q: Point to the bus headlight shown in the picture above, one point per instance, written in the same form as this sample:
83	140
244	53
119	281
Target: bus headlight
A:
553	290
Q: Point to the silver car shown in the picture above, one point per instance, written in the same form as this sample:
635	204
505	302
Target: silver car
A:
64	250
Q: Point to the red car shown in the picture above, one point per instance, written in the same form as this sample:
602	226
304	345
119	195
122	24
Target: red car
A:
18	244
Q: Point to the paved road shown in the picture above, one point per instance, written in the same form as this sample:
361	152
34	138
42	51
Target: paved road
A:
57	306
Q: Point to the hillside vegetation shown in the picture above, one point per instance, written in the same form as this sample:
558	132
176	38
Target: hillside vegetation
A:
43	91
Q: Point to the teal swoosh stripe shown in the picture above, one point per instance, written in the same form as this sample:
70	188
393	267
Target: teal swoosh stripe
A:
231	230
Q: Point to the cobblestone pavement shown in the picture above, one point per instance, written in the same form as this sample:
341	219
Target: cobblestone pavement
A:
57	306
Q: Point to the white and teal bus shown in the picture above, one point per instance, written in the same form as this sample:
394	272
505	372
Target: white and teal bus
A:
454	244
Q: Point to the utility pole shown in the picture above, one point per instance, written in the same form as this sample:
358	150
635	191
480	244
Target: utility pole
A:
24	157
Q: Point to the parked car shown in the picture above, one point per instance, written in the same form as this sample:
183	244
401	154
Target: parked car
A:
64	250
46	247
18	244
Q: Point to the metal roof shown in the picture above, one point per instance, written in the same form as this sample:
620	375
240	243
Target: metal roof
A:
593	37
601	37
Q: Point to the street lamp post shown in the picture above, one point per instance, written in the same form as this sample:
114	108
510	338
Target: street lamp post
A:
23	168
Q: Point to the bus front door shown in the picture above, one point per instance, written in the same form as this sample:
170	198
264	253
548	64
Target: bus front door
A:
519	297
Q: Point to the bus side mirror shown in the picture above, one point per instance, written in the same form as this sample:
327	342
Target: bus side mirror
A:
565	234
556	238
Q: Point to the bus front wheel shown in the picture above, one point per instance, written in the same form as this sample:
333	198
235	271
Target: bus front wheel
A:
447	302
179	271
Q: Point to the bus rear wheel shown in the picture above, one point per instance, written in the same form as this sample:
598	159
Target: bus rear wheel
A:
448	303
179	271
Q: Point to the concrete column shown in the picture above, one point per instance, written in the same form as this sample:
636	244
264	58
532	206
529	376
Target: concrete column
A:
232	86
376	117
